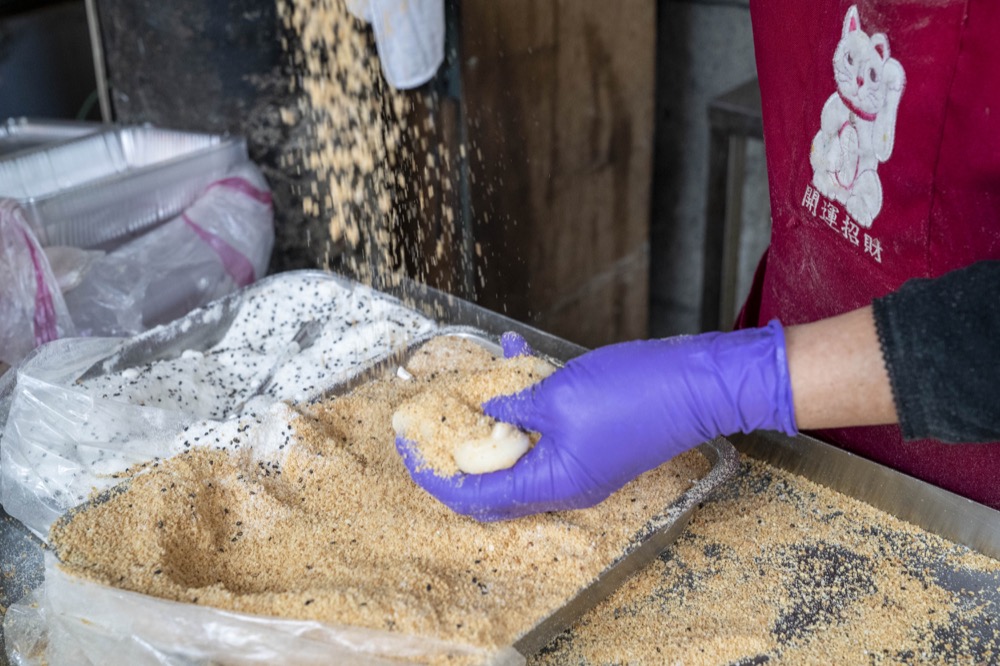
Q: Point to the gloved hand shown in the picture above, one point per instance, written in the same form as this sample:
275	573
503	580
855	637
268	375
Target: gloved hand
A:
621	410
409	36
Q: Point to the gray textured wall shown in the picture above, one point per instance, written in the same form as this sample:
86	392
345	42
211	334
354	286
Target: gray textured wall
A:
705	48
46	67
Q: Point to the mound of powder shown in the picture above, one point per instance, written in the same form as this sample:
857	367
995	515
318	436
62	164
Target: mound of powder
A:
330	527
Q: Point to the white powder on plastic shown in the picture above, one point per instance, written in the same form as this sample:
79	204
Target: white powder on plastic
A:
359	324
140	415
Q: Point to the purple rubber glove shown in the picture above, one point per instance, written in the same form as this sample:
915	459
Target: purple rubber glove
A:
621	410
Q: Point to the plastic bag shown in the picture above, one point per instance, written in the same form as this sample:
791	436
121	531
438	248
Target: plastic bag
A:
25	632
409	37
70	264
61	442
85	623
32	309
220	243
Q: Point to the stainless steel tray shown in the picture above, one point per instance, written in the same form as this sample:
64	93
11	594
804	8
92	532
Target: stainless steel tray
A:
18	134
832	577
95	189
655	537
660	530
938	511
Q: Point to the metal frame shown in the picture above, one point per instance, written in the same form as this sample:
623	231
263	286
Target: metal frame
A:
938	511
100	71
734	117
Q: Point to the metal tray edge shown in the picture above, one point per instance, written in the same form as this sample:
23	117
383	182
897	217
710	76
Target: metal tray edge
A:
934	509
724	461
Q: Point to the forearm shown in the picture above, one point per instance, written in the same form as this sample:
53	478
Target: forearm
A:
838	374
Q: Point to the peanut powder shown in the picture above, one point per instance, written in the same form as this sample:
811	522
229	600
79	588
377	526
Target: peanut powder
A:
333	529
783	571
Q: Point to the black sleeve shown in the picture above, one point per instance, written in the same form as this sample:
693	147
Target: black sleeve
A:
941	343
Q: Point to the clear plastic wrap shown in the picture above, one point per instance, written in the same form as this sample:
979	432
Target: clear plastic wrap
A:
32	309
60	441
25	631
220	243
74	621
70	264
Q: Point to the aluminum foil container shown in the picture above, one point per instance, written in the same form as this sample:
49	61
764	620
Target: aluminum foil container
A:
17	134
107	186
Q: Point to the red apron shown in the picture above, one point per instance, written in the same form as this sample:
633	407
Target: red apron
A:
882	136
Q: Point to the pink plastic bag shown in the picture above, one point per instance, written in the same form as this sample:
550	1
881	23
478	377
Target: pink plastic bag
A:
32	309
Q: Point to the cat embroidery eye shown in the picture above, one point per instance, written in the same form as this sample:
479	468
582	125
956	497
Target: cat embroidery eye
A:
872	74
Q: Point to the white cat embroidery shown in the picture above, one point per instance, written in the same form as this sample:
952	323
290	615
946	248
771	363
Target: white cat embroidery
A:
858	122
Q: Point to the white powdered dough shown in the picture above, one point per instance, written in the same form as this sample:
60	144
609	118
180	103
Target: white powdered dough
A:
444	417
504	447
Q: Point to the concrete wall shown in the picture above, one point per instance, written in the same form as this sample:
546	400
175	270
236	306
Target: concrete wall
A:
46	66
